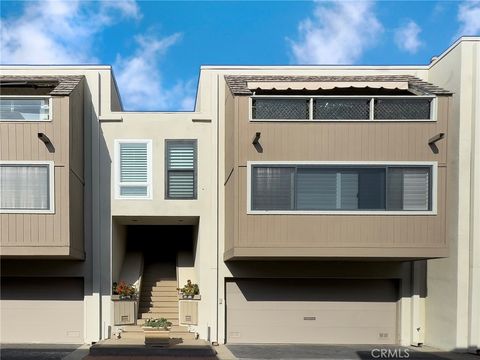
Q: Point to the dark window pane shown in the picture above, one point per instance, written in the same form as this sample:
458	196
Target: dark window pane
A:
349	190
280	109
371	189
272	188
341	109
402	109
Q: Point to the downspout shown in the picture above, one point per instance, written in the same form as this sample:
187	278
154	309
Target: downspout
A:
218	207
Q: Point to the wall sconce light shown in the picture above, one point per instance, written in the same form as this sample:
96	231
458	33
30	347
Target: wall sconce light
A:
47	142
436	138
44	138
433	140
256	138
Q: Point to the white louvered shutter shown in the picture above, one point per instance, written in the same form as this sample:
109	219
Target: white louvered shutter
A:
134	169
415	189
409	189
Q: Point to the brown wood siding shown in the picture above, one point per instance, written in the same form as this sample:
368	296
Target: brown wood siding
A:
343	141
345	236
341	231
45	234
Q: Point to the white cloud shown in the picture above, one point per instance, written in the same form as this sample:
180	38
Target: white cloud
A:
59	32
140	80
407	37
64	32
338	33
469	18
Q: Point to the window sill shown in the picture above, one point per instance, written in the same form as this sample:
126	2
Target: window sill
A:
343	121
344	212
15	211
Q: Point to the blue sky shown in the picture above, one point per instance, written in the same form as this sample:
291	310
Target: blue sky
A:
157	47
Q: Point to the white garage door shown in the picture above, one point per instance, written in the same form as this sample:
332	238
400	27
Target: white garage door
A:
312	311
41	310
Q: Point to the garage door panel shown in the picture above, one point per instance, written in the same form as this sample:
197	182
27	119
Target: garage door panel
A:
42	310
332	317
270	321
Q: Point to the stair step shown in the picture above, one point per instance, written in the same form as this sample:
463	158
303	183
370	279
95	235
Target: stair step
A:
163	306
147	303
149	294
159	314
157	282
179	328
181	335
159	299
133	335
132	328
160	288
167	313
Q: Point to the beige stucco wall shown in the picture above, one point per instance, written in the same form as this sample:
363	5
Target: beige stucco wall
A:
159	127
453	303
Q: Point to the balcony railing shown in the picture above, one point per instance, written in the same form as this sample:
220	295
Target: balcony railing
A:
342	108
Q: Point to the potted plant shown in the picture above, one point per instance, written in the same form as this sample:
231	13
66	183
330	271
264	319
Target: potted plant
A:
123	291
157	332
189	290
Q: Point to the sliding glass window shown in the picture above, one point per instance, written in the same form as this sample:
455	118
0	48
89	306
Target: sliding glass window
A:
341	188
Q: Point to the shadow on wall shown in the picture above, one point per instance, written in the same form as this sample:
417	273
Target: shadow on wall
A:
323	278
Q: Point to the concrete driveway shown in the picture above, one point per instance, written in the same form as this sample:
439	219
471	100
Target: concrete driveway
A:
341	352
36	351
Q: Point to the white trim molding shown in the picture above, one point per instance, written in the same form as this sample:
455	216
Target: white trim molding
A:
118	184
51	187
434	188
50	110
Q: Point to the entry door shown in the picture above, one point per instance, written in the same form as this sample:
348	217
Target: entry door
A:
315	311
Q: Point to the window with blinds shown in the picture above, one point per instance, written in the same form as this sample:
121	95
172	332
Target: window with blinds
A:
134	169
26	187
345	188
25	108
181	169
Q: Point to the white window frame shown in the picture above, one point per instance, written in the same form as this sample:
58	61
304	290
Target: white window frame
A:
433	108
118	184
51	188
432	164
50	110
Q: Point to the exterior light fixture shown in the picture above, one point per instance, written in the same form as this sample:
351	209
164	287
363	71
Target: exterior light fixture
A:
256	138
436	138
44	138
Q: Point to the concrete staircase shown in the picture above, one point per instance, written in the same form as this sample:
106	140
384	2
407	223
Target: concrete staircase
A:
159	298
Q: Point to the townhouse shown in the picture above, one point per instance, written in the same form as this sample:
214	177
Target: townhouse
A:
311	204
